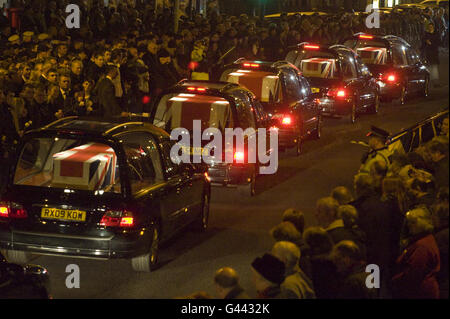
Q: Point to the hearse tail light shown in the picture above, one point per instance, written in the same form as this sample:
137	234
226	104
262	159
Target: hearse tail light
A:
12	210
287	120
365	36
146	99
251	65
239	156
4	210
311	47
122	219
198	89
337	93
391	78
341	93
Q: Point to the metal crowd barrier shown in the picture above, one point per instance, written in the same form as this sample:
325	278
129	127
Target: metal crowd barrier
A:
411	138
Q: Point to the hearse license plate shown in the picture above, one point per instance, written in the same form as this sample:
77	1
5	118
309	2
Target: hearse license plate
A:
63	214
315	90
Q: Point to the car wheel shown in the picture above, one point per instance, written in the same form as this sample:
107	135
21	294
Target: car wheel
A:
353	112
426	88
403	94
18	257
149	261
201	224
376	106
250	188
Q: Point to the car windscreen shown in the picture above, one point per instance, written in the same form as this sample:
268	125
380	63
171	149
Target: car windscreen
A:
179	110
315	64
68	163
370	51
266	86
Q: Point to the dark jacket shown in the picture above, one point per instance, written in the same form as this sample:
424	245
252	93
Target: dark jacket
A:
374	221
237	293
108	104
431	51
353	286
417	270
441	236
324	277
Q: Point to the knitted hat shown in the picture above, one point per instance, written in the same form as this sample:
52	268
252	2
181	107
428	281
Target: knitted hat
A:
270	267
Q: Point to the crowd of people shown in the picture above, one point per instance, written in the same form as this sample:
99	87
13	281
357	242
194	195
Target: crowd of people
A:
124	56
385	239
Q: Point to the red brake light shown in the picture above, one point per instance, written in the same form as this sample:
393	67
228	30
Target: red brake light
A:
146	99
286	120
12	210
365	36
4	211
391	78
251	65
341	93
311	47
239	156
193	89
338	93
117	219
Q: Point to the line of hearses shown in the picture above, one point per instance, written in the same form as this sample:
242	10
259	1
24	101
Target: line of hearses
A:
100	188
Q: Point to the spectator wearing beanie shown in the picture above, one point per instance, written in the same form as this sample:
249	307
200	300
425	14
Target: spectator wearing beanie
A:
268	275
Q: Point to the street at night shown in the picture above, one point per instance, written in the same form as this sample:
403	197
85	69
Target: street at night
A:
109	189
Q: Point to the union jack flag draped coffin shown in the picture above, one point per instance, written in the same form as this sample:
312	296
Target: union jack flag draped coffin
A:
90	167
262	84
372	55
318	67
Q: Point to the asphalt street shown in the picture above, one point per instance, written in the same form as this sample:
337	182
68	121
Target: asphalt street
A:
239	225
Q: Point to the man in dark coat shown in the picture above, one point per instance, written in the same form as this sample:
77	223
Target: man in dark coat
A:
108	103
430	50
374	220
439	156
96	68
352	276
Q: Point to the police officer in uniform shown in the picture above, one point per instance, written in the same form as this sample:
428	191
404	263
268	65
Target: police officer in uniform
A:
378	150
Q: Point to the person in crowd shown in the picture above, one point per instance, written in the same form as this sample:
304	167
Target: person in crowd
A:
374	220
328	218
323	270
378	170
378	150
430	50
96	67
350	266
76	75
439	156
226	281
419	264
107	101
268	275
440	221
342	195
296	284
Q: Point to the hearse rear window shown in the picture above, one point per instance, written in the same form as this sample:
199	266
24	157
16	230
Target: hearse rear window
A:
179	110
68	163
266	86
315	64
